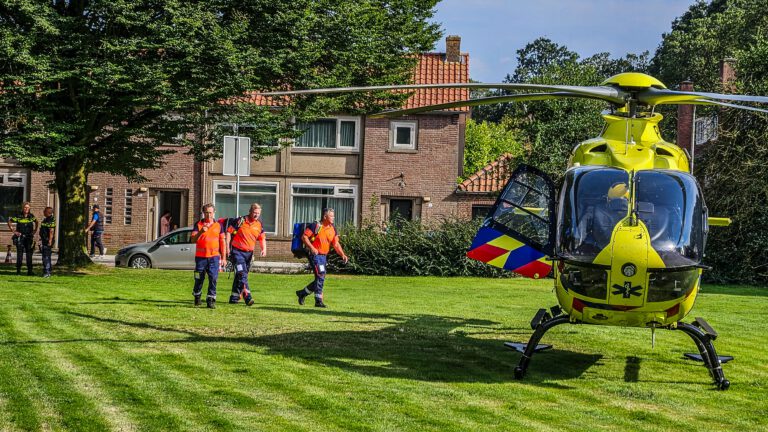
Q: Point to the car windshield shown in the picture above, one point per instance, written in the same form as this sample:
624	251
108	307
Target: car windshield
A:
670	205
593	200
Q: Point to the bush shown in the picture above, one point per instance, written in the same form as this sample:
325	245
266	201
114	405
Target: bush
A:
409	248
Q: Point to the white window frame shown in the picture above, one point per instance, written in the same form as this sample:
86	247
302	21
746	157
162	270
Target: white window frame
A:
339	119
336	194
413	125
233	191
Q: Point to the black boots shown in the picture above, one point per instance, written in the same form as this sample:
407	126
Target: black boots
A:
301	294
210	303
197	300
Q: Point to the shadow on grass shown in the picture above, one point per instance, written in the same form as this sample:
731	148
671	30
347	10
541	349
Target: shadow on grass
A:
418	347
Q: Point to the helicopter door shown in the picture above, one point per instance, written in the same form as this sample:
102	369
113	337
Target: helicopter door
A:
519	233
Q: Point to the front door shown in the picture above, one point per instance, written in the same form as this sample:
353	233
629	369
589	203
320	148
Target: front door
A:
169	202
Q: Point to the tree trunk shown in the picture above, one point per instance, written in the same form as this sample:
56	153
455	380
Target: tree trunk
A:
71	177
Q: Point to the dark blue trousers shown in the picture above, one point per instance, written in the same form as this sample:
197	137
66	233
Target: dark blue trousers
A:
46	251
205	266
318	264
241	262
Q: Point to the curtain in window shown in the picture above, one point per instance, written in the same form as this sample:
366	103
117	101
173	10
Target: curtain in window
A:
347	133
344	210
307	209
225	207
318	134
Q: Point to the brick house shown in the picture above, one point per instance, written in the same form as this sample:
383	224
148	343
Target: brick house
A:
478	193
367	169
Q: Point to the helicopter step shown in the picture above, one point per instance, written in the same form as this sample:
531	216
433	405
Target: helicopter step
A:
540	323
703	334
700	331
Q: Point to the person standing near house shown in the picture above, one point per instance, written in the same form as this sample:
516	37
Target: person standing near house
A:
24	236
97	231
165	223
319	238
47	230
210	255
244	233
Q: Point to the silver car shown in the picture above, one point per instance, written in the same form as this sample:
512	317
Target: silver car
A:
174	250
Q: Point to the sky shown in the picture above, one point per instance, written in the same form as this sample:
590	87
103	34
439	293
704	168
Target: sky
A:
493	30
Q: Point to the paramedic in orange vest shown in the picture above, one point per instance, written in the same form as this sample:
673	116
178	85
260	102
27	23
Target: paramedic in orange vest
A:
245	232
210	254
319	243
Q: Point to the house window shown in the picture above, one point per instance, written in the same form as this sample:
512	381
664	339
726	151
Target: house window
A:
342	133
128	207
402	135
109	195
400	209
309	200
13	189
265	194
480	211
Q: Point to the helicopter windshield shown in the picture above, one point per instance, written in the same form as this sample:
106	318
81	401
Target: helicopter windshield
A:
671	206
593	200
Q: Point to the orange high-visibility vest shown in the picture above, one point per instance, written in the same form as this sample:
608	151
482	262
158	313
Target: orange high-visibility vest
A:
207	245
246	234
323	240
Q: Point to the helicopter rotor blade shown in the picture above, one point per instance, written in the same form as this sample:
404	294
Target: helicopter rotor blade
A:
654	96
715	103
482	101
606	93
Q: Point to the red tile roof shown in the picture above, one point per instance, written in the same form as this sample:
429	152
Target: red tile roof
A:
432	69
491	178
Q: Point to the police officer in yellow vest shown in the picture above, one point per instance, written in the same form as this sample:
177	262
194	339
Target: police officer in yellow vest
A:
24	235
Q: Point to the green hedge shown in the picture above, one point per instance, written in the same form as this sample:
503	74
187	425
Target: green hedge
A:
409	248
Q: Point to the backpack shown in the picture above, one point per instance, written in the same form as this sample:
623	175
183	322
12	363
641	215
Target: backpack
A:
298	248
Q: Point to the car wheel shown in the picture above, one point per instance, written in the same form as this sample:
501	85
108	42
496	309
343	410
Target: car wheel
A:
139	261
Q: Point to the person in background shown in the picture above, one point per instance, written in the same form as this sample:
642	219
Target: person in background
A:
210	255
165	223
245	232
97	231
47	231
319	240
24	236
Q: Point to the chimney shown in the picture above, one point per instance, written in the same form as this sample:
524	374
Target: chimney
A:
453	49
685	120
728	74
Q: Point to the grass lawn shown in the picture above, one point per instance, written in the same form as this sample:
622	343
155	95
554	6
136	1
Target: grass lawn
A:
126	350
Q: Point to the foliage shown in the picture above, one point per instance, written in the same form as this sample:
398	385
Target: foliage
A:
706	34
411	248
550	129
101	85
486	142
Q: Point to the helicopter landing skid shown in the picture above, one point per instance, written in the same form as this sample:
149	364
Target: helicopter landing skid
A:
541	322
703	335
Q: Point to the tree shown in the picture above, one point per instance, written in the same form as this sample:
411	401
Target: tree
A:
732	170
486	142
100	85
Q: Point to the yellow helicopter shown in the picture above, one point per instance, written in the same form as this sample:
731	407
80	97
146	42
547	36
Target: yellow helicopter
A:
626	238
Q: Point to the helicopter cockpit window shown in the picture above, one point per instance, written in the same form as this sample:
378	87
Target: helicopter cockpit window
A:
524	207
593	201
670	205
